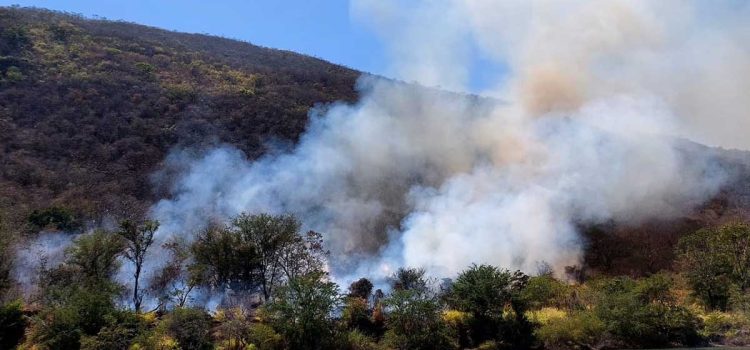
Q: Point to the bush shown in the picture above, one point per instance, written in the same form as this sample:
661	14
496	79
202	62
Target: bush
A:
190	328
726	328
356	315
263	337
361	288
14	74
356	340
494	299
715	262
581	329
644	313
458	323
118	335
413	322
12	325
73	312
545	315
55	218
233	329
544	291
302	311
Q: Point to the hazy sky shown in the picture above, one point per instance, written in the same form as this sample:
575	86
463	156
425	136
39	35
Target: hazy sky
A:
321	28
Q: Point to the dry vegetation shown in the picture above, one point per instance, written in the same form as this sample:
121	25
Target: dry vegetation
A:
89	108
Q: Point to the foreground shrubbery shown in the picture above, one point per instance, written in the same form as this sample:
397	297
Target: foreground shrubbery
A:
275	295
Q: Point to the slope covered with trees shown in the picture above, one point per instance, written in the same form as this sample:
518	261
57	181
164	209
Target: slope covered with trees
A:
88	108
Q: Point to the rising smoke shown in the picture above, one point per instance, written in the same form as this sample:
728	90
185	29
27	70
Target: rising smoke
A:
583	129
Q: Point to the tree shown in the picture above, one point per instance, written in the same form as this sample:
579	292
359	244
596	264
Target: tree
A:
138	239
362	288
222	259
413	314
716	260
269	235
302	311
233	330
733	241
282	252
488	293
256	252
412	279
357	313
95	255
74	310
79	295
643	313
174	281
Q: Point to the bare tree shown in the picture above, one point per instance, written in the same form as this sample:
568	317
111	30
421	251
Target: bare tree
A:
173	283
139	238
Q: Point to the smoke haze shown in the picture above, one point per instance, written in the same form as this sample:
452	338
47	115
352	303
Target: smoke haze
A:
584	129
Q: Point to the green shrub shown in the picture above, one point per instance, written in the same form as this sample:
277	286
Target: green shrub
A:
356	340
54	217
302	311
715	262
144	67
12	324
58	329
726	328
233	329
413	322
190	328
581	329
264	337
356	314
544	291
14	74
495	301
644	313
117	335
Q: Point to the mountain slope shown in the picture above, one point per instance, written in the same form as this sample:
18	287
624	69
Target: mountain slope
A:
88	108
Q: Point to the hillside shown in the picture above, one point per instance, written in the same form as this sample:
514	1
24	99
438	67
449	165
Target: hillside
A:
88	108
164	190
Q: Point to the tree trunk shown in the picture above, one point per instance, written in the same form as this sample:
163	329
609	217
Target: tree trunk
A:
136	300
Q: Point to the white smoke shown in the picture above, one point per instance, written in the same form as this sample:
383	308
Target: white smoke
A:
45	251
598	95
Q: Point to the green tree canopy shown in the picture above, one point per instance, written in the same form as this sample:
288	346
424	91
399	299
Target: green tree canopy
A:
715	261
494	299
257	252
302	311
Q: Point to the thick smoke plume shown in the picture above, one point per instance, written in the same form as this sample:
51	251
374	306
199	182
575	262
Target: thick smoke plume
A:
584	128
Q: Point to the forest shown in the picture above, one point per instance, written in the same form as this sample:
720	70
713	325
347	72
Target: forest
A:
261	283
90	111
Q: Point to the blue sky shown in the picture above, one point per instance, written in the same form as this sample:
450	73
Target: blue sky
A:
321	28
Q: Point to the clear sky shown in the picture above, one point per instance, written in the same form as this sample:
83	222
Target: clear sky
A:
320	28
